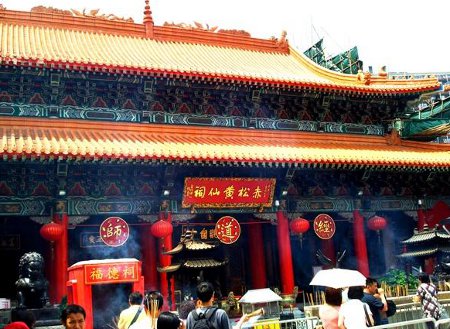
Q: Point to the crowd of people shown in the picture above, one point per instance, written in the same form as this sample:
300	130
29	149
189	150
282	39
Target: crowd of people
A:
363	307
351	308
144	312
355	307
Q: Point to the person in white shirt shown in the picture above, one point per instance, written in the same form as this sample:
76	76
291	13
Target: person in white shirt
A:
128	314
352	314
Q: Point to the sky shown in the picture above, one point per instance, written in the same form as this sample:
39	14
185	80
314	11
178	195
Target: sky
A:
405	36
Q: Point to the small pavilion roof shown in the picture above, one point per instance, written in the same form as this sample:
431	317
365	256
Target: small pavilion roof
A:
426	235
80	140
59	41
419	253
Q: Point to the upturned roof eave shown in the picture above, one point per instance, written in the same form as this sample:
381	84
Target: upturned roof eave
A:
81	141
219	77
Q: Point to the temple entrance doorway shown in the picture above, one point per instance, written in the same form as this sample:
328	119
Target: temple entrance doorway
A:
203	256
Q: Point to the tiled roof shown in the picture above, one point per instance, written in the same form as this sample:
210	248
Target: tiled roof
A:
426	235
196	263
78	140
29	42
202	263
418	253
442	234
421	236
199	245
169	268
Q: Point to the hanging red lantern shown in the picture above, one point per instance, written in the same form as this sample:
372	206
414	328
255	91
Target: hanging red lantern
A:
161	229
377	223
299	225
52	231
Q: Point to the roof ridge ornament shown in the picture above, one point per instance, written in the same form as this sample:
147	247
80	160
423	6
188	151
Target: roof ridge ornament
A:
148	21
93	13
364	77
393	138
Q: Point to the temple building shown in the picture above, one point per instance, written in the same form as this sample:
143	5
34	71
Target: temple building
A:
117	138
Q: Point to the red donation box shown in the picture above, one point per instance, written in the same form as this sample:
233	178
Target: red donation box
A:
83	275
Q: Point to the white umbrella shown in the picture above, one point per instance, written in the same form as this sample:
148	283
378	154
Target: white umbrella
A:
338	278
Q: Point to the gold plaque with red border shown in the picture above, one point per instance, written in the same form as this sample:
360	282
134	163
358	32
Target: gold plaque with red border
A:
228	192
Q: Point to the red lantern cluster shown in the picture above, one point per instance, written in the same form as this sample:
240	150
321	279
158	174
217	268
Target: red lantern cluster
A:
161	229
52	231
377	223
299	225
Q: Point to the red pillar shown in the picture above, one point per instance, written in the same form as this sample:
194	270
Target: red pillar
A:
149	260
50	265
429	265
257	258
284	253
166	260
61	259
65	255
360	243
420	219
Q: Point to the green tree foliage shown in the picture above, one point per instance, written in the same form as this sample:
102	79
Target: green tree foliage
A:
399	277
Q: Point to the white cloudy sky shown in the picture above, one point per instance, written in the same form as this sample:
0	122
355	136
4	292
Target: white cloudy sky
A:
410	36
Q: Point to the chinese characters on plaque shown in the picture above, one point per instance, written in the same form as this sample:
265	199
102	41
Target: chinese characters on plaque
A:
228	192
324	226
114	231
111	273
228	229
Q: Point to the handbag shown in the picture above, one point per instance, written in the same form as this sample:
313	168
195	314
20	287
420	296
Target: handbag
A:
392	308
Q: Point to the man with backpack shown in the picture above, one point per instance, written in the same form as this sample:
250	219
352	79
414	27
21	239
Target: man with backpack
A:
206	316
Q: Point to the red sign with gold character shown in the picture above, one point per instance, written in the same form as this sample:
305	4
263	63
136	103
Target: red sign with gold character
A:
228	229
228	192
111	273
114	231
324	226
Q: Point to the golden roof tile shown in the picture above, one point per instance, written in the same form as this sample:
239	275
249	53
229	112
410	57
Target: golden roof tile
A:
82	43
83	140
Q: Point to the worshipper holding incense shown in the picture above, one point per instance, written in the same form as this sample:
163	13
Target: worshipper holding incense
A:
153	302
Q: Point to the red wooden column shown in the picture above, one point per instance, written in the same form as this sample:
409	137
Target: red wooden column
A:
166	260
149	260
284	253
257	258
420	219
360	243
429	265
61	258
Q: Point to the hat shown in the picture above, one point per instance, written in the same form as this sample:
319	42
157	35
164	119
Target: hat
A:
16	325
